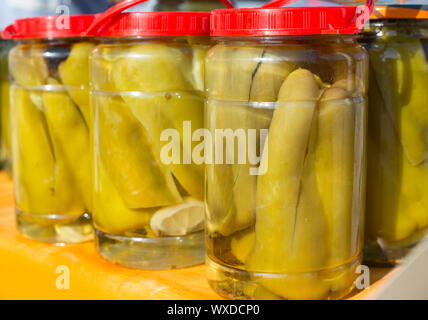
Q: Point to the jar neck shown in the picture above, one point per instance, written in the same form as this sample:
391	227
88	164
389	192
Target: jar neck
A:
53	41
282	40
163	39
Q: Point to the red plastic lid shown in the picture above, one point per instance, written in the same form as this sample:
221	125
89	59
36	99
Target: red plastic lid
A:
273	20
62	26
115	23
159	24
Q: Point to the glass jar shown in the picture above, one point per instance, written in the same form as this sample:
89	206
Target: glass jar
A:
5	152
50	120
148	103
285	178
397	203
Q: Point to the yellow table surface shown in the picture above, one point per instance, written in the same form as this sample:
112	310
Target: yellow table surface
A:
28	270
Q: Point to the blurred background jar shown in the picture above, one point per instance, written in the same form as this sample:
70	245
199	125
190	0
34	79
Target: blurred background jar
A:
148	100
5	150
50	112
285	220
397	180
